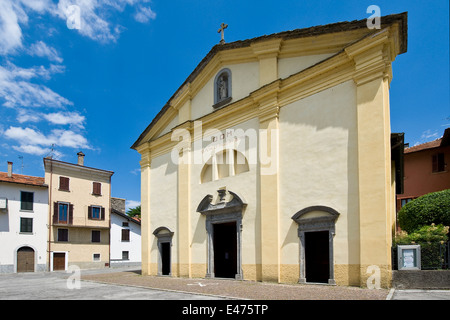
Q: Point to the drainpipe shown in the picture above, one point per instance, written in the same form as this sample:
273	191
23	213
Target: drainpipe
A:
50	215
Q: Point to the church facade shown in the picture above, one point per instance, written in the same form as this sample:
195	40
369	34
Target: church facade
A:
273	161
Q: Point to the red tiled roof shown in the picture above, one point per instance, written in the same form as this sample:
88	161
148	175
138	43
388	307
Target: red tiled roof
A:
441	142
22	179
427	145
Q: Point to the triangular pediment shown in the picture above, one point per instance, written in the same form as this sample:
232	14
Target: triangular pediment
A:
294	51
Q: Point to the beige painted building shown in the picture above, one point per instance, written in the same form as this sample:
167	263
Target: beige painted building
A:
273	160
79	214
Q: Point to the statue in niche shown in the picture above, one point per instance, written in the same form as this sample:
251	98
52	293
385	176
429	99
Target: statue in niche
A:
222	87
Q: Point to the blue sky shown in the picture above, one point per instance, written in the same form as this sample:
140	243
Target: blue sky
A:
97	87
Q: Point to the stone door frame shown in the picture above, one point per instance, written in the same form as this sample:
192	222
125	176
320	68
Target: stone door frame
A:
222	211
324	222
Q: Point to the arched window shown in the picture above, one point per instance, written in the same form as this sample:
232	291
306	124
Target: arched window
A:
225	163
222	88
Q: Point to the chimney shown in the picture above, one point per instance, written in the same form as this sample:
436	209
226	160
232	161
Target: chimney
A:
10	169
80	158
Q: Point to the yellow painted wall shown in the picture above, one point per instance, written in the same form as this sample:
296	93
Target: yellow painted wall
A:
79	247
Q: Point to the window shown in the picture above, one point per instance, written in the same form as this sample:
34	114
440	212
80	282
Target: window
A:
97	188
96	256
26	225
125	255
124	224
26	200
222	88
438	162
62	212
225	163
96	213
63	235
64	183
405	201
125	234
95	236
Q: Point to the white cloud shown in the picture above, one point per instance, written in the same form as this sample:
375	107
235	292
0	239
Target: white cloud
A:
30	149
40	49
56	118
10	31
427	136
64	118
94	14
131	204
136	171
144	14
34	142
68	138
17	90
27	116
27	136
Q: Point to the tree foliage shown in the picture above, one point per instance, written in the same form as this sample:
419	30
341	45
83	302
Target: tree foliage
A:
133	212
425	210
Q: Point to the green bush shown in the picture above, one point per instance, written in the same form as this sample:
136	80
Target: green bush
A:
425	210
426	234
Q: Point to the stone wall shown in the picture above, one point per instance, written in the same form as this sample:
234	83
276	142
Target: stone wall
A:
421	279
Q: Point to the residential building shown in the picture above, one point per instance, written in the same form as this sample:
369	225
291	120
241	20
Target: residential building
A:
426	168
125	236
273	161
23	222
79	214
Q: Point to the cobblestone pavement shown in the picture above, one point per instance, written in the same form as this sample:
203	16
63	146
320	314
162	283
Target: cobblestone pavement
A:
238	289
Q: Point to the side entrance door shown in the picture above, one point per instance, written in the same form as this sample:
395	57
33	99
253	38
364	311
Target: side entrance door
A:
59	261
25	259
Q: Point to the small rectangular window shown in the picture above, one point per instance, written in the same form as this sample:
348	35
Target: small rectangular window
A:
64	183
125	255
124	224
125	234
95	212
95	236
63	209
26	200
63	235
26	225
97	188
438	162
96	257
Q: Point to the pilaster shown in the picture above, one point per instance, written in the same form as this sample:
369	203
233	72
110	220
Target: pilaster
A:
184	217
267	53
269	187
374	162
146	235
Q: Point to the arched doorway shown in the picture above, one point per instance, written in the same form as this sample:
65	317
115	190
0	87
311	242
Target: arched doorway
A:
164	236
25	259
223	213
316	230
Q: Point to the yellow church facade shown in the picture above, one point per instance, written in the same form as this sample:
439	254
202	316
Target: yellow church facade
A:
273	161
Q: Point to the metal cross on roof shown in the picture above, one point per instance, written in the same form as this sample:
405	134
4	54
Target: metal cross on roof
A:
223	26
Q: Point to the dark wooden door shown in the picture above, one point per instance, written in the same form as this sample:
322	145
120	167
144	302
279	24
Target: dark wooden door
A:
25	259
59	261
